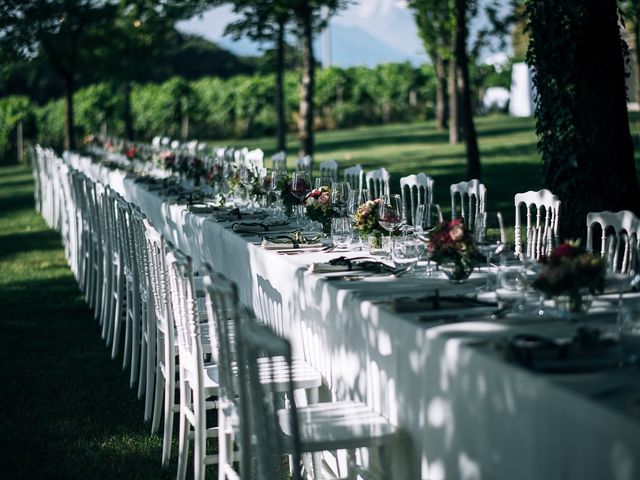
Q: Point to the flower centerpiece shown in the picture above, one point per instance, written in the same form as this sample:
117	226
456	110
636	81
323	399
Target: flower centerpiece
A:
452	246
196	170
570	275
166	159
318	207
289	200
367	222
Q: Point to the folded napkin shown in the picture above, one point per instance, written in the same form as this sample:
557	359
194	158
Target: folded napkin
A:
344	264
249	227
437	302
201	208
237	215
269	245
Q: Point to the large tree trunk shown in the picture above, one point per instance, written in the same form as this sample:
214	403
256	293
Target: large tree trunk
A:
441	93
636	40
69	129
454	127
279	93
464	93
305	120
581	116
127	117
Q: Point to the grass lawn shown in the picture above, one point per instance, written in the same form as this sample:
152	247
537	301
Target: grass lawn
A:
67	410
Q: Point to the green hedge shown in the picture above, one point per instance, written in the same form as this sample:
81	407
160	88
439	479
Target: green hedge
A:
240	106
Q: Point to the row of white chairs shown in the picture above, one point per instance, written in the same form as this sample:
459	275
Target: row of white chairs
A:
144	292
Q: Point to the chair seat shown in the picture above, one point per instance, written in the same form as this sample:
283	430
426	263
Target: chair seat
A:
338	425
210	378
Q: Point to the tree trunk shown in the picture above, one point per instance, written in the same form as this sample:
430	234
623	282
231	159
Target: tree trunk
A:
464	93
441	93
279	93
305	120
581	116
636	40
454	127
19	142
69	128
127	117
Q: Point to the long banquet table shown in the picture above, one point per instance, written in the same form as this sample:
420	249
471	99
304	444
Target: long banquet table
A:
464	412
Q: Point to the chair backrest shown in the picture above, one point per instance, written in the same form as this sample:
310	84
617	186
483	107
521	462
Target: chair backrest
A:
264	352
279	161
125	242
542	236
185	314
472	196
354	176
158	275
329	168
377	182
415	190
618	239
224	316
140	250
255	158
305	163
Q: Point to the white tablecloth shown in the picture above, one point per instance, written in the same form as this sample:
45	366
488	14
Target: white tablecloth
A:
464	412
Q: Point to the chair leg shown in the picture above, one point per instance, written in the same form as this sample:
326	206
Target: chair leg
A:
351	461
150	377
183	436
169	401
136	344
158	396
117	317
128	325
142	371
222	444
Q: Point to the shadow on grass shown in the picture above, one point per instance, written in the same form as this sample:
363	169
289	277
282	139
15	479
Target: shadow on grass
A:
15	243
70	413
16	201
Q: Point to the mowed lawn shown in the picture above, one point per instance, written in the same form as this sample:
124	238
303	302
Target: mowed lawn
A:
67	410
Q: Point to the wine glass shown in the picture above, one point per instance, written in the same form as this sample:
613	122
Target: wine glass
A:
490	241
426	219
276	177
390	214
300	187
340	192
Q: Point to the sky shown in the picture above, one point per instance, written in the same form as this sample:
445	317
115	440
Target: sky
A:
385	25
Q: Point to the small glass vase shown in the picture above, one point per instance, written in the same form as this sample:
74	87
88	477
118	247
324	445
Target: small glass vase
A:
456	272
574	303
379	244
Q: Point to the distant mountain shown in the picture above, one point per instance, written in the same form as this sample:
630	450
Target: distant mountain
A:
350	46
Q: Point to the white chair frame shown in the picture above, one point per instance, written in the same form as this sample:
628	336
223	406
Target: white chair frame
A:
542	236
624	236
329	168
354	176
377	182
472	196
415	190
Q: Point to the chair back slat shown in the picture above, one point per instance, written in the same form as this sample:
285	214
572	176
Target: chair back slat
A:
354	176
329	168
377	182
618	240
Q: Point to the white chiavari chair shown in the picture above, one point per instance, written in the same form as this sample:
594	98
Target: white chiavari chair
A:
415	190
305	163
472	195
377	182
279	161
255	158
618	238
543	235
354	176
293	430
198	383
329	169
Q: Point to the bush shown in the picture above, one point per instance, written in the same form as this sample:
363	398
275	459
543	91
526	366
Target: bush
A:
14	110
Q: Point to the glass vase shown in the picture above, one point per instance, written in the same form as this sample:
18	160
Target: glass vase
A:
379	244
456	272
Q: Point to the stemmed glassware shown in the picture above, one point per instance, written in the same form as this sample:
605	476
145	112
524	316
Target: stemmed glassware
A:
390	214
276	176
490	241
427	218
407	251
300	187
323	182
340	192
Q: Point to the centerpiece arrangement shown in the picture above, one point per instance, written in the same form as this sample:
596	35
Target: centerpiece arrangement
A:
196	170
452	246
319	208
367	222
570	275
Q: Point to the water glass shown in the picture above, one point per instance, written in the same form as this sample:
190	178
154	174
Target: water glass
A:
341	235
407	251
629	330
323	182
340	192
